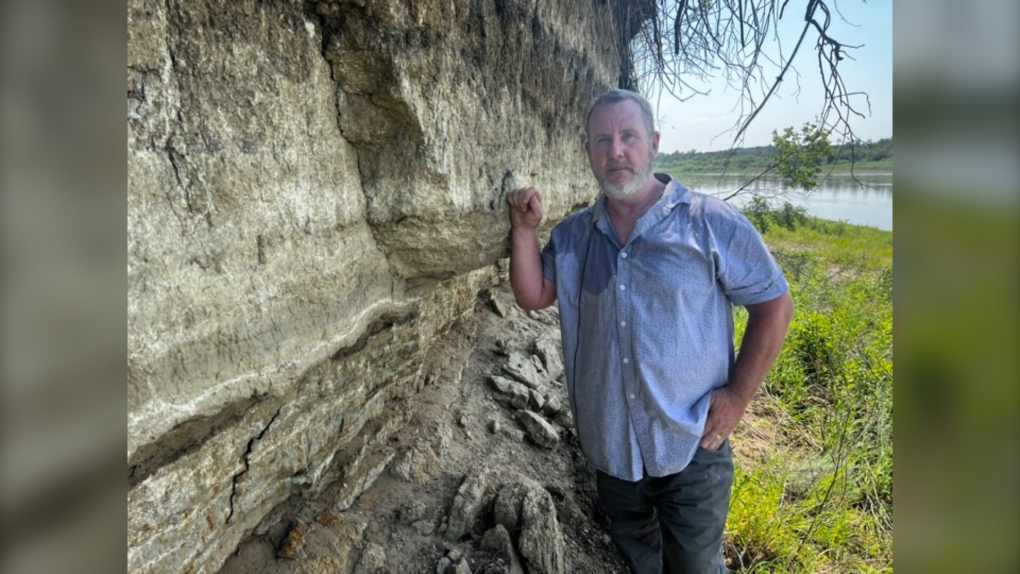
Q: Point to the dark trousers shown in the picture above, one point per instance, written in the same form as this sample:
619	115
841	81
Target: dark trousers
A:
672	524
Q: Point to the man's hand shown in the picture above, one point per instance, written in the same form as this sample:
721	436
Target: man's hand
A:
525	208
763	338
724	412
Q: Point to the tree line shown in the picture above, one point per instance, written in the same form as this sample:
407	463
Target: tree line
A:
861	155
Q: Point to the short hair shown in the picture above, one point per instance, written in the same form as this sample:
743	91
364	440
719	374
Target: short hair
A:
620	95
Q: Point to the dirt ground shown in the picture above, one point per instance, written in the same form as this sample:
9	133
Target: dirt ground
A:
456	427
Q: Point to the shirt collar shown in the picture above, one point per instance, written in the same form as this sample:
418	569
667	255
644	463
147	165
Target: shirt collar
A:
674	194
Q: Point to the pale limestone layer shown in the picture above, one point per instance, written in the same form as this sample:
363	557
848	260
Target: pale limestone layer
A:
316	192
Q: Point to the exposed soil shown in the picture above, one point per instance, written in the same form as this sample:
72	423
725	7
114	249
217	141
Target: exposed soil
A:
456	427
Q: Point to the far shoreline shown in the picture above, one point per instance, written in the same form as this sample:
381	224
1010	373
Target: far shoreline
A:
838	172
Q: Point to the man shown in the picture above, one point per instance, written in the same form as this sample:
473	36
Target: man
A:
645	280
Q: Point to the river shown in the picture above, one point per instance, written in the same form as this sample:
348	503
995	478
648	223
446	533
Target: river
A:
867	201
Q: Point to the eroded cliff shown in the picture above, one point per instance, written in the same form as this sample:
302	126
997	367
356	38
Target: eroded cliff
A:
315	194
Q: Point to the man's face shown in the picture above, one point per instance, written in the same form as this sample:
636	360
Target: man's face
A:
620	150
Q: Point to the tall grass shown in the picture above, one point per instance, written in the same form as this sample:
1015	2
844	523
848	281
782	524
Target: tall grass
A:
821	500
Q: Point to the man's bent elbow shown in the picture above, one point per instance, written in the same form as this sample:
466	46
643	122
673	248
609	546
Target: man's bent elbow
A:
528	303
533	301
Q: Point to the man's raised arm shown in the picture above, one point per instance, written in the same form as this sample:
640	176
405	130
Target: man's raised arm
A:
531	289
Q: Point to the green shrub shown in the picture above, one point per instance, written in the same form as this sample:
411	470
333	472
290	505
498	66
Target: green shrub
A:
761	213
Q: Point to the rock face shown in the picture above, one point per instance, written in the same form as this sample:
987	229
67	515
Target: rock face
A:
315	193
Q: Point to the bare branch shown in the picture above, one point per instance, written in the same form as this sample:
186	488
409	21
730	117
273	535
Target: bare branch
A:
738	41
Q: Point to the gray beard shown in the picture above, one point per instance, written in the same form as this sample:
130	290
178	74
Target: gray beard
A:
630	188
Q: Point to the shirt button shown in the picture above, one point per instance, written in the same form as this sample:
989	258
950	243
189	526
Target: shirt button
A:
623	254
623	323
632	395
623	287
626	360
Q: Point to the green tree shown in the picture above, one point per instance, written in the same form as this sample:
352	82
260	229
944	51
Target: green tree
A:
798	158
801	155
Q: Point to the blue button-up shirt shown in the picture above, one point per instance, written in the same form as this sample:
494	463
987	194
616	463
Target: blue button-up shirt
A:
647	327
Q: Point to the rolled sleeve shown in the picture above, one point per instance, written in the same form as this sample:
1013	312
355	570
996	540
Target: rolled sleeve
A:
746	270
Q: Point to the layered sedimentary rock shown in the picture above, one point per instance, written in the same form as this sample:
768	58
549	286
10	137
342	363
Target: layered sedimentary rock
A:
315	193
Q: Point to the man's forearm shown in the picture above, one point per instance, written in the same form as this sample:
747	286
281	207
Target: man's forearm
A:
526	268
767	324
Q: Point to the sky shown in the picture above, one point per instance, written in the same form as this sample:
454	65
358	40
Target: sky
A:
707	123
